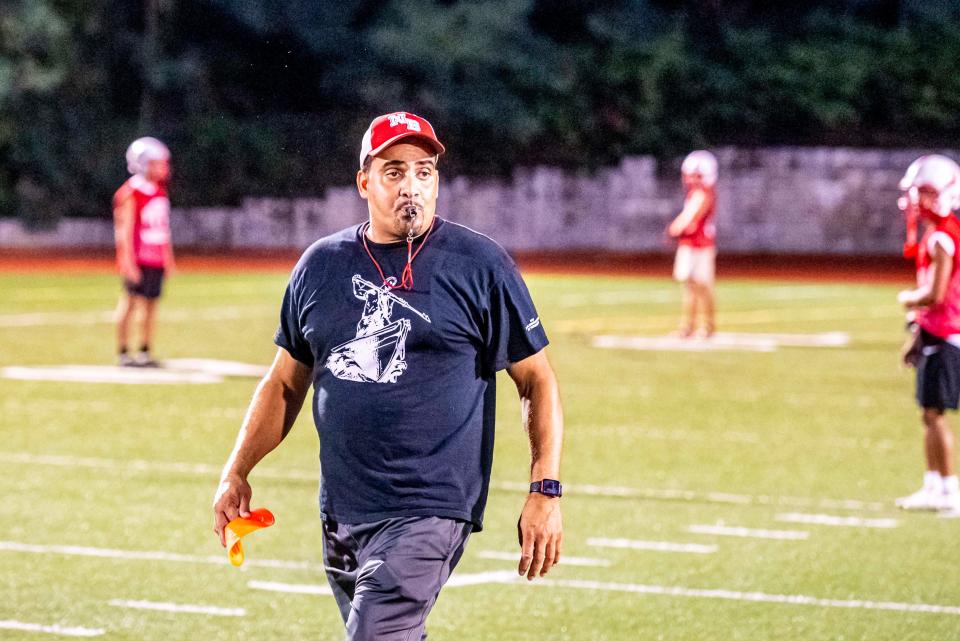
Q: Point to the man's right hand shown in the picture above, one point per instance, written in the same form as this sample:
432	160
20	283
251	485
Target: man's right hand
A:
231	501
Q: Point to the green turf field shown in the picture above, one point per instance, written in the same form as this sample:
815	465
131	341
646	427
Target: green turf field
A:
105	484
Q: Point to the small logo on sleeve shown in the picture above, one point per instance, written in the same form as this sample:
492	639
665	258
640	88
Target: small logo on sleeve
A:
533	324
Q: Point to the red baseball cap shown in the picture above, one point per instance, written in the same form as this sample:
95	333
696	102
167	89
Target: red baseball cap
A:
389	128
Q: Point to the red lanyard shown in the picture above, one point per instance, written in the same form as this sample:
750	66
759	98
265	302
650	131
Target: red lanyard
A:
406	278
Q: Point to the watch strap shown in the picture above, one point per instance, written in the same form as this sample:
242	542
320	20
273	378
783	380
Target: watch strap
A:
547	487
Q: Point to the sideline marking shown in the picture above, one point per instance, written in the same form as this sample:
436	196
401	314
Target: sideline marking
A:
759	597
149	555
51	629
652	546
750	533
186	608
564	559
842	521
584	489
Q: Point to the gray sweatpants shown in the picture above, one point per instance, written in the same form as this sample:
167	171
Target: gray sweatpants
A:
387	575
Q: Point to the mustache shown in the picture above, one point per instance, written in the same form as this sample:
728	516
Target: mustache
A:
410	209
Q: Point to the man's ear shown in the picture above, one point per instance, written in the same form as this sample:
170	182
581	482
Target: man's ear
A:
362	178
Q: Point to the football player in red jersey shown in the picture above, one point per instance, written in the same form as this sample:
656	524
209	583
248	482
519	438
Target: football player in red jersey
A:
695	232
141	217
932	195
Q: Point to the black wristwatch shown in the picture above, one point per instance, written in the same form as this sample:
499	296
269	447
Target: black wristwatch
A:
547	487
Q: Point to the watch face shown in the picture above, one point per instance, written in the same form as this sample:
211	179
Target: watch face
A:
550	487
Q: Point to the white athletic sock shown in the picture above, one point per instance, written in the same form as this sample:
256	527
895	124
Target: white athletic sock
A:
951	485
933	482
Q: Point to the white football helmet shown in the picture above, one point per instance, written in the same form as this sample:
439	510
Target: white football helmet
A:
936	172
702	163
142	150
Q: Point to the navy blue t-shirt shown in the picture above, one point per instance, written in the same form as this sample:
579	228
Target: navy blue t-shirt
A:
405	380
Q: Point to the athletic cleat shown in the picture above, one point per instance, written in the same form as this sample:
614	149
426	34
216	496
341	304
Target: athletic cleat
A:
949	514
144	360
922	499
125	360
682	332
948	503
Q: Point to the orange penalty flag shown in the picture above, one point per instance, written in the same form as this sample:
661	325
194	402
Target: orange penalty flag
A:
240	527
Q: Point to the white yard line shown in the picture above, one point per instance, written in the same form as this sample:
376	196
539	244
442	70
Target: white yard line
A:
661	590
148	555
841	521
291	588
179	608
587	489
60	630
756	597
564	559
455	581
573	489
651	546
56	319
480	578
749	533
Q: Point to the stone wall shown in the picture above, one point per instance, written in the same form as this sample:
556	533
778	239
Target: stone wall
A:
776	200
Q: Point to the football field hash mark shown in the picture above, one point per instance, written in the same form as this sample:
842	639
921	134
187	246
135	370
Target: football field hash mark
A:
749	533
652	546
59	630
179	608
839	521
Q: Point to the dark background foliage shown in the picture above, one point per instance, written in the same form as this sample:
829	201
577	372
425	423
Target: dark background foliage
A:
271	98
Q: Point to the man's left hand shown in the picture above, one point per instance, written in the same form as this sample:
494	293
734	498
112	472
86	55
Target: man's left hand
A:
541	535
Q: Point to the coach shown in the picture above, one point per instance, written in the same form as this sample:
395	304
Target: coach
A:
400	324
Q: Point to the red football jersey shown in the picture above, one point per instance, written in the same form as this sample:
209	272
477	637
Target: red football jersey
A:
151	226
941	319
702	232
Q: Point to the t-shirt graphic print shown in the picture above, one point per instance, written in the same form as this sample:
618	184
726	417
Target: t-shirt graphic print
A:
378	352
